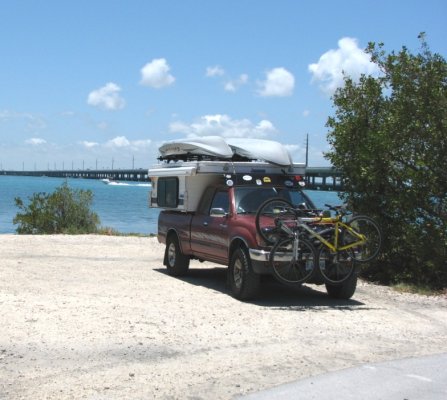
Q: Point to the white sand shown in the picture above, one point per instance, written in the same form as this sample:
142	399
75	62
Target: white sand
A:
97	317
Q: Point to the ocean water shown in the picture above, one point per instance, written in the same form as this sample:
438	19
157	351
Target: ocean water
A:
123	207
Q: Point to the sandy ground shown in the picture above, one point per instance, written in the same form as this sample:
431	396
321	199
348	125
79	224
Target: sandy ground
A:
96	317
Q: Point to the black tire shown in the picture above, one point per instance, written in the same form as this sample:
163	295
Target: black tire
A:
343	290
287	270
369	228
267	215
335	268
243	282
176	262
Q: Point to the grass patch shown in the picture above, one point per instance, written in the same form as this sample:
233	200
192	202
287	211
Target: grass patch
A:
417	289
107	231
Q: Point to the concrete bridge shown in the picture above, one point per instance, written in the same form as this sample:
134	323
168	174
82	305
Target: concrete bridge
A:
112	174
324	178
317	178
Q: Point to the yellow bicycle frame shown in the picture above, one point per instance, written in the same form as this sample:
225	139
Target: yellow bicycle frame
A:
337	223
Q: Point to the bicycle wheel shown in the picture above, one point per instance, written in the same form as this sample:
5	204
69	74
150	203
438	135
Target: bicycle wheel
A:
268	215
289	269
335	267
367	227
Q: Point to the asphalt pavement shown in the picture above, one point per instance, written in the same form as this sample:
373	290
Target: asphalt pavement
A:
423	378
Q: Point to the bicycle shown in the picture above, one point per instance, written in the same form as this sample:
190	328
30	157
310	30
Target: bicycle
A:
338	244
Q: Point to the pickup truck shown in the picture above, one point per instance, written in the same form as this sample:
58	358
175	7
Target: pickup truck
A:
222	230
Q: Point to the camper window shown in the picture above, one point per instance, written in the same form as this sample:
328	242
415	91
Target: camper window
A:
167	192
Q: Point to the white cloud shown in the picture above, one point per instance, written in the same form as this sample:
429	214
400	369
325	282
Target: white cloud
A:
233	85
230	85
102	125
348	60
32	122
106	97
89	145
223	125
156	74
279	83
121	142
138	145
35	141
214	71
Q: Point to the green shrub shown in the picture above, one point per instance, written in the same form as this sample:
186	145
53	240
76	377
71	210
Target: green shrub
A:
65	210
388	139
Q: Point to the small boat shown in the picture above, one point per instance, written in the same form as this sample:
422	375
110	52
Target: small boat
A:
107	181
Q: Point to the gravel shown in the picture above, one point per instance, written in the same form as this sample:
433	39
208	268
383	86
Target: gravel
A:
97	317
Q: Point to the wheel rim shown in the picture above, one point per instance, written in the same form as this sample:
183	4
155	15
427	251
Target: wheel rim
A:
288	270
171	255
335	268
237	273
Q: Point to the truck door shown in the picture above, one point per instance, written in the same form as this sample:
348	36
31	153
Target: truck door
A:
209	234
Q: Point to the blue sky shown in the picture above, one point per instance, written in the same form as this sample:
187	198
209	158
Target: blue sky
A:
91	83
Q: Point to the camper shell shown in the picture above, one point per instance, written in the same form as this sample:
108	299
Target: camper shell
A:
188	166
180	185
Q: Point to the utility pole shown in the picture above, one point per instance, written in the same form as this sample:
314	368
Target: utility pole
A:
133	162
113	161
307	149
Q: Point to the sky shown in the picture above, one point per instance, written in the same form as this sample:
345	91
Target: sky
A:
102	84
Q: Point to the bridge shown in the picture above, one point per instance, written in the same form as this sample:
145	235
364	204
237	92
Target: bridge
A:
323	178
112	174
317	178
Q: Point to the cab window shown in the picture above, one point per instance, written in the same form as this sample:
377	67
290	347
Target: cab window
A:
221	200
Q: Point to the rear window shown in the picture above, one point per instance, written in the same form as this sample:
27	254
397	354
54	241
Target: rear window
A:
249	199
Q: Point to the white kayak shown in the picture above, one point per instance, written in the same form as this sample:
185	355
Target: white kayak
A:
214	146
225	149
260	149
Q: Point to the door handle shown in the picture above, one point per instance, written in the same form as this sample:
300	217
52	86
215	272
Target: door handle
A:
205	223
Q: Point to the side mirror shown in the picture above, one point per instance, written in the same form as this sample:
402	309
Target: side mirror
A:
218	212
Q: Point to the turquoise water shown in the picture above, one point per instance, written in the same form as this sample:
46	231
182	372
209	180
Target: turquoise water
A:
123	207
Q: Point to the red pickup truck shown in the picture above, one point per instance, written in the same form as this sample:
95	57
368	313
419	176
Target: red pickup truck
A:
222	228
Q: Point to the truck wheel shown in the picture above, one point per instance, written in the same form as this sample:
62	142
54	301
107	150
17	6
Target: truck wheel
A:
343	290
176	262
243	281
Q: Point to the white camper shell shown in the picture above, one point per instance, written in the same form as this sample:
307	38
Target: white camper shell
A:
188	167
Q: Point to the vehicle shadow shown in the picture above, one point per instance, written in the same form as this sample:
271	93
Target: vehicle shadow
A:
272	293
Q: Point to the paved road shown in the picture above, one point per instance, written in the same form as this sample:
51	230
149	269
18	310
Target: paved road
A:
422	378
